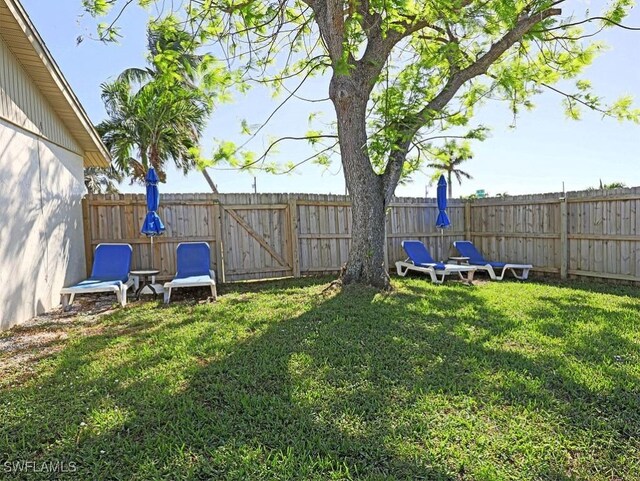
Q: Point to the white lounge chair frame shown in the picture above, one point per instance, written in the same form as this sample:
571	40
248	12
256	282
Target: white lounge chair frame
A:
511	267
120	290
405	266
68	294
175	285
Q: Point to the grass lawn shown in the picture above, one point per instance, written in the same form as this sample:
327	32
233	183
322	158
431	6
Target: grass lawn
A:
498	381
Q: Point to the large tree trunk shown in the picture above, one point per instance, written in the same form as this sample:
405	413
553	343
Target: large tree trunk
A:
366	256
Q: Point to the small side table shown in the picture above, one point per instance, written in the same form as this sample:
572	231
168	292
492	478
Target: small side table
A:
459	260
146	277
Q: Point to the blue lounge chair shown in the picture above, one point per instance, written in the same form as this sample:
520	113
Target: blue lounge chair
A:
467	249
110	273
193	260
421	261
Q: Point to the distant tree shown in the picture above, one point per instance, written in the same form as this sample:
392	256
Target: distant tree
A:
448	160
614	185
100	180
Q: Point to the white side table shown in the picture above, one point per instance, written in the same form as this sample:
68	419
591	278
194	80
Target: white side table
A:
144	278
460	260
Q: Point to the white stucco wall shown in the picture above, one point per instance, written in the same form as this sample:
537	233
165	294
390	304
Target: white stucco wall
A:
41	232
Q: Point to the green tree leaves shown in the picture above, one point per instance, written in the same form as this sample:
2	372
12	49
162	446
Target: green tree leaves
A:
157	114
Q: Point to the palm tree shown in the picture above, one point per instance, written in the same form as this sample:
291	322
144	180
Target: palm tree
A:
170	49
152	126
157	114
100	180
447	161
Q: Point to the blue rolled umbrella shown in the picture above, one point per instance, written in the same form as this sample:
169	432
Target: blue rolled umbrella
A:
442	220
152	225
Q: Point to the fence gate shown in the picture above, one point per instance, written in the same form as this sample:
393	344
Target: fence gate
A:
256	241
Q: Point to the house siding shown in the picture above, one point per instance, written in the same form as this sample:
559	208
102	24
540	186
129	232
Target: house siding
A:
22	104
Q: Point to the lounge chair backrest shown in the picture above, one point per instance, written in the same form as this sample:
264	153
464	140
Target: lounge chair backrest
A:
467	249
193	259
417	252
112	262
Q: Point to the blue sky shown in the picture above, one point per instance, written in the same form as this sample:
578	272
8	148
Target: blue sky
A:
542	152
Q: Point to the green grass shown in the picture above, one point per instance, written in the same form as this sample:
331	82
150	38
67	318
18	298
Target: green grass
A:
499	381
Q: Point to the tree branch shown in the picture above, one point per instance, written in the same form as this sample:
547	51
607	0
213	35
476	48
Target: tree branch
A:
409	127
590	19
481	65
330	18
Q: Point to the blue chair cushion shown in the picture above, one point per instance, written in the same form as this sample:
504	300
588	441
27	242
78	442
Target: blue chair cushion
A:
440	266
467	249
193	259
111	262
418	253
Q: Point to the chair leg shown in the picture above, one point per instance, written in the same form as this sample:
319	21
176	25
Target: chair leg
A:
467	279
434	277
401	273
119	295
214	293
167	294
523	277
492	274
123	296
67	300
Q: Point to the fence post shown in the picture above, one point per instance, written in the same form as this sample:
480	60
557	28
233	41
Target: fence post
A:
386	241
467	220
295	242
218	232
86	226
564	238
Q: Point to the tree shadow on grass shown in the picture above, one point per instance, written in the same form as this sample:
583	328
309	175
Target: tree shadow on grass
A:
593	286
411	385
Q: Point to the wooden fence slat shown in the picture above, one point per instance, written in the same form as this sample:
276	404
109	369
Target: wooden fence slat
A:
86	225
295	242
257	237
564	240
219	247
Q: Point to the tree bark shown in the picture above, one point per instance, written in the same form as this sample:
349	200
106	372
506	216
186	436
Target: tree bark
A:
366	255
366	188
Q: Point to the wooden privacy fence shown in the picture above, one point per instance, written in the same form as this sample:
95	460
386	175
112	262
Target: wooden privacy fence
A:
259	236
589	233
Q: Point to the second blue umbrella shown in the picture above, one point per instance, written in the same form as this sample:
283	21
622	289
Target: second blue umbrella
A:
442	221
152	225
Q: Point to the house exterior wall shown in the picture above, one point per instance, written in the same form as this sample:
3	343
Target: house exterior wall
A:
41	188
24	105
